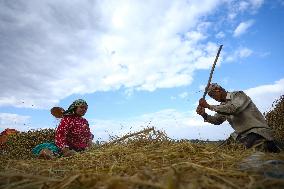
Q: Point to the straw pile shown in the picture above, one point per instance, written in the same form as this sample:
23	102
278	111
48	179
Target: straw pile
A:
275	118
19	146
144	160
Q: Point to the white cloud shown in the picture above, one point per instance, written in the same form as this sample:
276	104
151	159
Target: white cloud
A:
202	87
240	53
232	15
183	95
245	52
264	95
264	54
13	121
194	36
220	35
51	53
205	62
256	4
251	5
173	98
225	81
187	95
242	28
237	7
243	5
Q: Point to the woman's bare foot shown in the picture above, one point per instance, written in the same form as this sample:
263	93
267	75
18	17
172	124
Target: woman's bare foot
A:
46	154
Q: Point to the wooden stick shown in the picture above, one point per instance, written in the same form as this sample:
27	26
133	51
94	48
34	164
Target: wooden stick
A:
212	70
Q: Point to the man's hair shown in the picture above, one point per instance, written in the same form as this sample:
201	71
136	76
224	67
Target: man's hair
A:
214	86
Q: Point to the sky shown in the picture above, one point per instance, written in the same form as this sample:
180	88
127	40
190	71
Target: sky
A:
137	63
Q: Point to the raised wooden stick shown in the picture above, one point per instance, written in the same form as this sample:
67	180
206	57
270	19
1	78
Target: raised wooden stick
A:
212	70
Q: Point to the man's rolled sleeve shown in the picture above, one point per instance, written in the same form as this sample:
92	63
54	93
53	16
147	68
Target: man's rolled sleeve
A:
217	119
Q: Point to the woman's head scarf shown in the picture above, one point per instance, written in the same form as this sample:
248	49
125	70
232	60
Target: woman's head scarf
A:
72	108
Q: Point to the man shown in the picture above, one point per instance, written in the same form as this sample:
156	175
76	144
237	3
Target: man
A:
238	109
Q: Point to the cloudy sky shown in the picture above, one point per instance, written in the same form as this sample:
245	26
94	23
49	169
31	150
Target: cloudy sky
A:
136	63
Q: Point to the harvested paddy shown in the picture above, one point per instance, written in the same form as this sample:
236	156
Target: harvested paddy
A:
144	160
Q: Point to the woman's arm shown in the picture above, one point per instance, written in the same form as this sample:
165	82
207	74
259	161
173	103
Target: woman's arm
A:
61	133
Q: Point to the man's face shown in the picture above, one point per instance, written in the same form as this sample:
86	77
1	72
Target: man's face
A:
217	94
81	110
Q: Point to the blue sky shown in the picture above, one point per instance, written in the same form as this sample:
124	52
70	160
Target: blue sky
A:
136	63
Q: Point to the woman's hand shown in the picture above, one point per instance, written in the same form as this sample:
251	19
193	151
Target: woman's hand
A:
46	154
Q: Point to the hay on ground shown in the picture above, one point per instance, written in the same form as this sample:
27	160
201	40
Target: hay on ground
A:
141	160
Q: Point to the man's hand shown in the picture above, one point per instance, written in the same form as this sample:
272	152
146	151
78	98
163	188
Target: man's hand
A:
67	152
200	110
203	103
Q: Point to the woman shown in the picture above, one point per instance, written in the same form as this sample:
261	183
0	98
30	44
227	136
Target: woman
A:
72	134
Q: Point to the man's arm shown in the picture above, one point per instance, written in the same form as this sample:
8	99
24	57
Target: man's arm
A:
237	104
217	119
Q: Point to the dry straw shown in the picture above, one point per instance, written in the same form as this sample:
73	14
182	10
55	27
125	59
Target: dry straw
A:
275	118
147	159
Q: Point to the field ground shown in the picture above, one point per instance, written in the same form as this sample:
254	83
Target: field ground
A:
148	161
